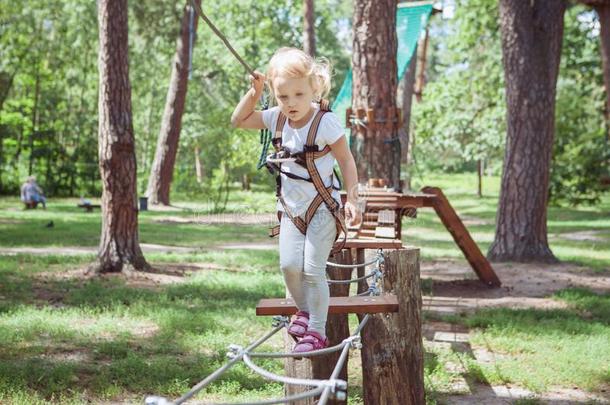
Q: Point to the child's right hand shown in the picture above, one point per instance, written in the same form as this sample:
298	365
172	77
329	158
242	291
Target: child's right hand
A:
258	82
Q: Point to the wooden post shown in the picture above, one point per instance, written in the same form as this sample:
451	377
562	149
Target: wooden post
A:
392	347
337	329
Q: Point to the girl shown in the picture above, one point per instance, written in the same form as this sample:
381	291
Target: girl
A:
297	80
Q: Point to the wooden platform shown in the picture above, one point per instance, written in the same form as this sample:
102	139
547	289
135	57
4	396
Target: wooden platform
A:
338	305
383	210
359	242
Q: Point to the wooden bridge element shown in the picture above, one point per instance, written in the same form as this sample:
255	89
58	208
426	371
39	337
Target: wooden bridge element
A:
382	220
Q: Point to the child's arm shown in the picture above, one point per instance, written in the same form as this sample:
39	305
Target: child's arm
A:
245	115
347	165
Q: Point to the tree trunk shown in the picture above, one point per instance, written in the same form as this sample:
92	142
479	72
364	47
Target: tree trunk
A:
392	347
480	178
375	146
405	99
6	82
34	118
603	11
119	245
422	56
531	43
309	30
198	167
162	170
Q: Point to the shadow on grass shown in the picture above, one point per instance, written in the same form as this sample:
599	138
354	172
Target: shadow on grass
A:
106	337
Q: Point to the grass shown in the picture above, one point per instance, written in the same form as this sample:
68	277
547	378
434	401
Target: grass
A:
539	349
479	214
73	341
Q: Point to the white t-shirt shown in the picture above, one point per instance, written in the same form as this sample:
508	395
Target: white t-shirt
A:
298	194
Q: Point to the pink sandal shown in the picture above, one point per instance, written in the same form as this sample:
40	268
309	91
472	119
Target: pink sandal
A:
311	341
298	326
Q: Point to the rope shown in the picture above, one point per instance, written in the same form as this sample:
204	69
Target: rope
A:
222	37
280	323
329	388
265	138
353	340
354	280
352	266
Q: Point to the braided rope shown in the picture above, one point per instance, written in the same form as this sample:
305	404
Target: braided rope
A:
329	388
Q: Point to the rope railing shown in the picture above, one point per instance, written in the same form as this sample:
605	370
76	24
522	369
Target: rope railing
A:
373	273
377	259
333	387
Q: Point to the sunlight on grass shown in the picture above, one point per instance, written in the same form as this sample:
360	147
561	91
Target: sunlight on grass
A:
77	341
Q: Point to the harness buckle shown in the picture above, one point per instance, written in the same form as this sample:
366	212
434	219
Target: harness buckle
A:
311	148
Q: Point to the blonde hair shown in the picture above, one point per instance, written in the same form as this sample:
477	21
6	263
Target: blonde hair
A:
294	63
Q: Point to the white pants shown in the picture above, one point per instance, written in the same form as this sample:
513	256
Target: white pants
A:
303	263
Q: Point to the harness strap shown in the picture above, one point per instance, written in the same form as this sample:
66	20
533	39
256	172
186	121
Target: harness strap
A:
307	159
330	202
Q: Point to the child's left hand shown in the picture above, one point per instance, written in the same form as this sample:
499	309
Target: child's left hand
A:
353	214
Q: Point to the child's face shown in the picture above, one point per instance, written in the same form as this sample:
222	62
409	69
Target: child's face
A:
294	96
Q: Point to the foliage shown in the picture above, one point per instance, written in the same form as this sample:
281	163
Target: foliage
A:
52	46
462	116
580	147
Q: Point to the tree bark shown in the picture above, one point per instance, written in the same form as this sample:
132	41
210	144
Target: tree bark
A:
531	47
603	11
198	167
422	56
392	347
405	99
119	245
480	178
375	146
309	30
162	169
34	118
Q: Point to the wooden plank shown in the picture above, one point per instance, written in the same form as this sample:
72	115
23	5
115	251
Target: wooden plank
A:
373	243
384	198
462	238
386	217
386	232
337	305
369	225
367	233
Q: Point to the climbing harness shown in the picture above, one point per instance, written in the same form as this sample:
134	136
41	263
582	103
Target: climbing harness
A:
306	158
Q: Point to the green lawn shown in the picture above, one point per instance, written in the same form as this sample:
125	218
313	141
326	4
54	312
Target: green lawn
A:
68	340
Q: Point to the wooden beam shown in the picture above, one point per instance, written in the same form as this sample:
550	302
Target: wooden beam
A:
462	238
386	232
337	305
373	243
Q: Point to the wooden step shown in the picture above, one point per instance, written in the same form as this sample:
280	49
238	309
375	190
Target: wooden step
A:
372	243
386	232
386	217
369	225
367	233
337	305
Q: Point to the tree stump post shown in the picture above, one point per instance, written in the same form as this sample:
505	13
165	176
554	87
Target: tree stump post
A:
337	329
392	348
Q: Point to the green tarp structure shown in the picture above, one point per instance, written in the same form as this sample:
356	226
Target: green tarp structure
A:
410	20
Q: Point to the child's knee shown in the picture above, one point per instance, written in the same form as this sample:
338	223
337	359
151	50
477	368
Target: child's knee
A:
315	276
291	266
